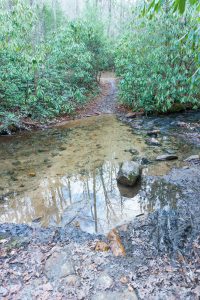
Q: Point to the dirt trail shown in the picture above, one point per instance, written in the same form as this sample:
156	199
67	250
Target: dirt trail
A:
104	103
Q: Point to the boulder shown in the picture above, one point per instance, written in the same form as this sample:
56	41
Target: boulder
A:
128	173
167	157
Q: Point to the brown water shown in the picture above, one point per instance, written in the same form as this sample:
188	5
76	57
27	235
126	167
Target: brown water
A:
68	175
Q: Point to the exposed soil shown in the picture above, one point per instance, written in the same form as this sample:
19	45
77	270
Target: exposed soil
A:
162	248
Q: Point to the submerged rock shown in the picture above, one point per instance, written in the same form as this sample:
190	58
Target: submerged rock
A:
128	173
152	141
167	157
192	158
153	132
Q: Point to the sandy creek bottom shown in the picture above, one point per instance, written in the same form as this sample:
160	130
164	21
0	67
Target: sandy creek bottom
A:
68	174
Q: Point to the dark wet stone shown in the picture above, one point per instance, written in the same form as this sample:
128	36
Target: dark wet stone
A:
167	157
144	161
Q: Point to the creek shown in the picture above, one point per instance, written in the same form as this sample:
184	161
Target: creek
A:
67	175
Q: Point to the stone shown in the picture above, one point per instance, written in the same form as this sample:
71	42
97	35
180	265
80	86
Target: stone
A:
144	160
58	265
3	291
170	151
153	132
153	142
104	281
192	157
128	173
116	245
125	295
167	157
132	114
72	280
32	174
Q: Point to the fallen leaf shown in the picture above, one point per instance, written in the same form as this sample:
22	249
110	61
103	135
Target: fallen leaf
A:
101	246
124	280
116	245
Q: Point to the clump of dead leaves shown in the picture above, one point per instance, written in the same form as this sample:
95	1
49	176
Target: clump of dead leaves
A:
115	244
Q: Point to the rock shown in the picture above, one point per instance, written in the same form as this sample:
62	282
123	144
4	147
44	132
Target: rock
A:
132	115
192	158
101	246
58	265
128	173
62	148
153	132
66	269
153	142
132	151
125	295
3	291
104	281
72	280
167	157
116	245
144	160
170	151
32	174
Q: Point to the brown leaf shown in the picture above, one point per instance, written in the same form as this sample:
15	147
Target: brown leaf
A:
116	245
101	246
124	280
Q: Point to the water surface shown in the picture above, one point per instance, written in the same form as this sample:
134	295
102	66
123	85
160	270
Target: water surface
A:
67	175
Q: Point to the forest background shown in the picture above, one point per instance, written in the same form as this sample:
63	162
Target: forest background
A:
53	52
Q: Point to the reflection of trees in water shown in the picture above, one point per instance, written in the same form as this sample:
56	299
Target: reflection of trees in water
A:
97	191
93	198
157	194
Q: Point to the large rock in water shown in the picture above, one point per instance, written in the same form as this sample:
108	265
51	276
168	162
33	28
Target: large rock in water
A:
128	173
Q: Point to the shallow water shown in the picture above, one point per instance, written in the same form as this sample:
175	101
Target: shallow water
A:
68	175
